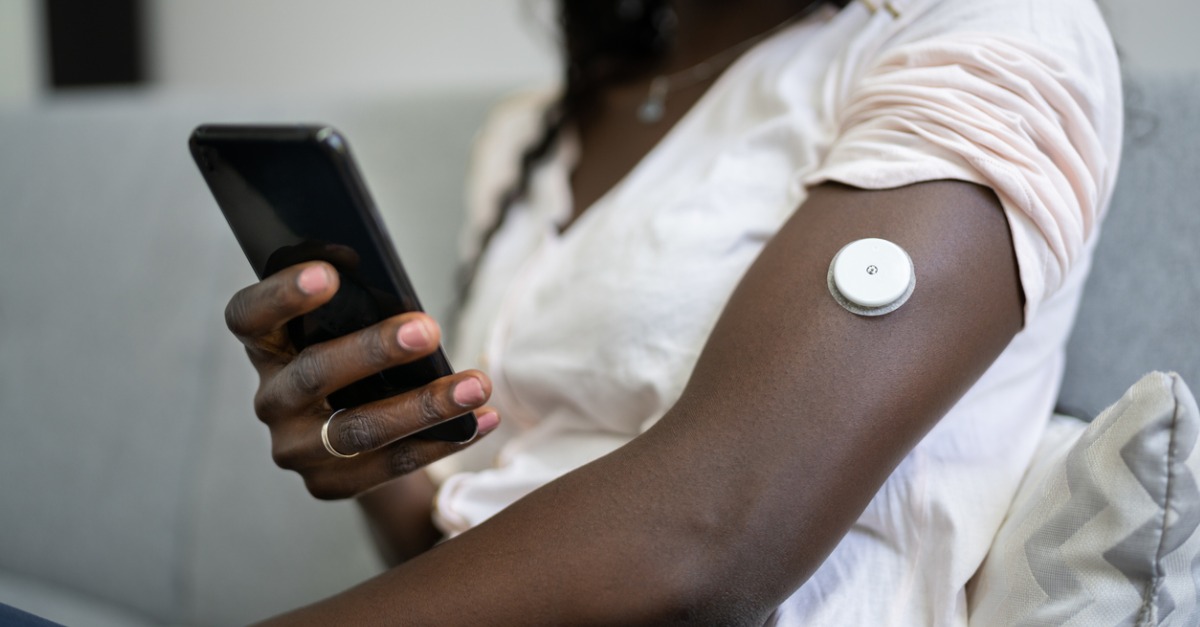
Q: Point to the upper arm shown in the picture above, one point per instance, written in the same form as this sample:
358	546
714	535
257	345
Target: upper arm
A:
798	410
796	413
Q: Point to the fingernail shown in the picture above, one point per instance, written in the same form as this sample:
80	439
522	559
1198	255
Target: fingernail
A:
313	280
413	335
487	423
468	393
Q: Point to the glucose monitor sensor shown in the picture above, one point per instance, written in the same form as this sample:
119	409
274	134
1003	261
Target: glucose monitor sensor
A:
871	277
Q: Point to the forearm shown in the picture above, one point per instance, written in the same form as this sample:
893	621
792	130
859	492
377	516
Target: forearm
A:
659	532
599	546
399	514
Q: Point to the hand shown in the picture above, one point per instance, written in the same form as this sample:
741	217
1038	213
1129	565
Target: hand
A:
293	387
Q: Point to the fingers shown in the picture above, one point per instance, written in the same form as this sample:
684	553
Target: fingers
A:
292	392
324	368
374	425
298	445
257	314
332	478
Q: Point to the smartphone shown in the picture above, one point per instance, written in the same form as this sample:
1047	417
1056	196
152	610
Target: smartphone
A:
292	194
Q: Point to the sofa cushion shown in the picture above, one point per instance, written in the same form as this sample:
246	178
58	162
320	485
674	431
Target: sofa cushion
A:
1103	529
1141	306
135	471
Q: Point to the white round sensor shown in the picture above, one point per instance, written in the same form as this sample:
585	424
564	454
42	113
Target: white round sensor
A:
871	277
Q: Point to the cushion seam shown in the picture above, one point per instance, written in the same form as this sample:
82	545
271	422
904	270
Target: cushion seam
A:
1156	575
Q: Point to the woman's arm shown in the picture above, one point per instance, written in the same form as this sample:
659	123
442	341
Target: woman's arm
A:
400	516
795	415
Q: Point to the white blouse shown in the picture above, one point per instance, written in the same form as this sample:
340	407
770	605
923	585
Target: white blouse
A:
590	336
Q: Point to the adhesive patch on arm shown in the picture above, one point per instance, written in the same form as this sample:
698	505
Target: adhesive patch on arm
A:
871	277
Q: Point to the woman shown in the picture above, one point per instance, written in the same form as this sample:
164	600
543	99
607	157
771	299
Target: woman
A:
696	430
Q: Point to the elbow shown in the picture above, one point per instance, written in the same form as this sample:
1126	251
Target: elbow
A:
707	601
689	569
694	585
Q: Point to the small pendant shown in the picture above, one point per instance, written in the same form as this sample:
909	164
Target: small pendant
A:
650	111
654	106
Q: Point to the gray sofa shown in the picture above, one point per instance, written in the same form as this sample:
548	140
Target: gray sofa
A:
137	484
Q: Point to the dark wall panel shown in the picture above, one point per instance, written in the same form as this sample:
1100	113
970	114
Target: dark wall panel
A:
94	43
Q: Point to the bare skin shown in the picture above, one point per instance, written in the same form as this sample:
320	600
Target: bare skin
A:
796	413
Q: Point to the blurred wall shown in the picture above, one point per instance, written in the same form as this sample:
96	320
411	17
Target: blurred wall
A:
306	45
1158	34
352	44
317	45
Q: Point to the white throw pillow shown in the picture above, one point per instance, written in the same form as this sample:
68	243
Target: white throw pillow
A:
1103	530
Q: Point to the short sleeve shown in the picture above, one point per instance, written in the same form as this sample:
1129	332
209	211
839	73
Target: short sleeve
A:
1034	125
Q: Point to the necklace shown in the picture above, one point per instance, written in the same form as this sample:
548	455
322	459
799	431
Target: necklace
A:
651	109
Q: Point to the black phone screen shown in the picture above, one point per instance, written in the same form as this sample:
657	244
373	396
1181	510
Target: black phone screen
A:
293	194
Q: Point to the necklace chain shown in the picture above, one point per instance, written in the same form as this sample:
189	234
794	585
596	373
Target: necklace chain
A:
652	109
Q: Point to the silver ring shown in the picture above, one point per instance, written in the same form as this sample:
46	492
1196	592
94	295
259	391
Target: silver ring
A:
325	437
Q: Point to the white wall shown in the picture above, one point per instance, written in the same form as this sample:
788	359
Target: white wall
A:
1163	34
326	45
20	62
319	45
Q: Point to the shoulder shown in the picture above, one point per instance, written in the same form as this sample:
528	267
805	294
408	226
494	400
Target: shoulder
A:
1070	33
1060	24
1057	56
516	117
512	125
1022	96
